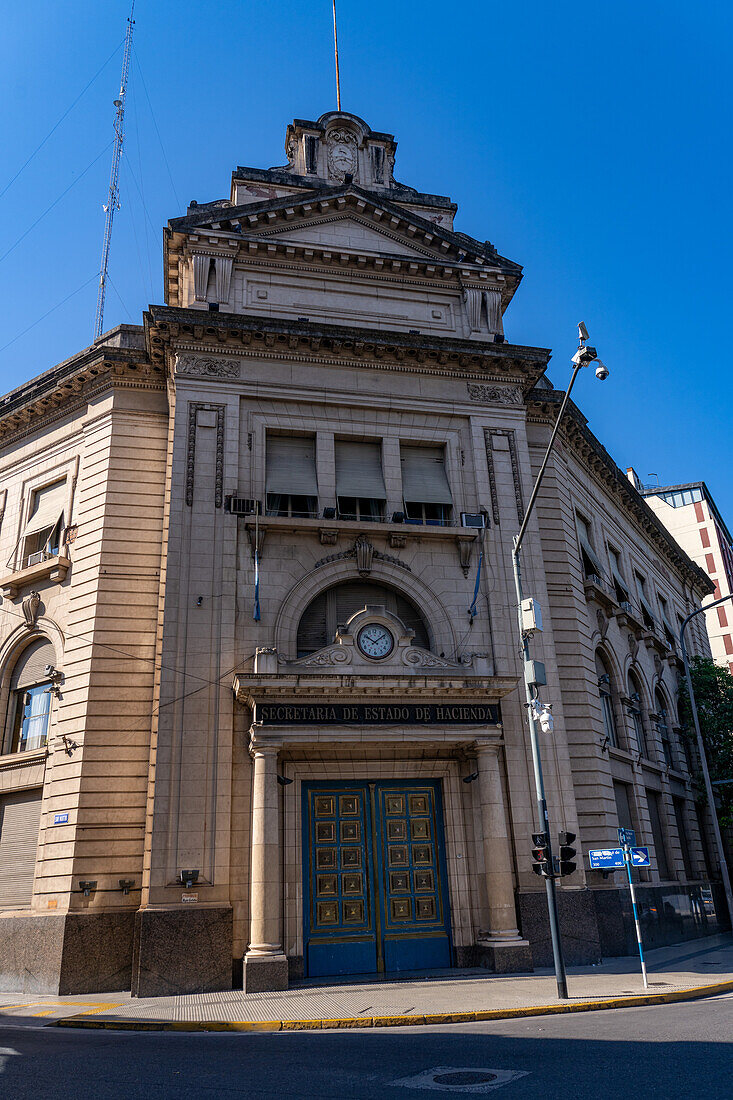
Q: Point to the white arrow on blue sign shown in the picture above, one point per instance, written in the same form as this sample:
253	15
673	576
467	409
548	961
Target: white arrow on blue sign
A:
640	857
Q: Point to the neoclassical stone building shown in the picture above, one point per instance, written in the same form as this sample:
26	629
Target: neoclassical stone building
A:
259	661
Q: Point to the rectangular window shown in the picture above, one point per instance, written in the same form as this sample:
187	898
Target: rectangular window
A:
655	817
621	793
425	488
679	816
647	613
30	725
705	536
667	627
359	481
619	584
43	532
591	563
291	481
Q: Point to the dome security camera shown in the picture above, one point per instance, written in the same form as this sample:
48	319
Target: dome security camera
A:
601	371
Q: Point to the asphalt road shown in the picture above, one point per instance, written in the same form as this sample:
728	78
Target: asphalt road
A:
666	1051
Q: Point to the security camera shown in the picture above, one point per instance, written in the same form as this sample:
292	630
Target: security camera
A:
601	371
584	356
582	331
49	670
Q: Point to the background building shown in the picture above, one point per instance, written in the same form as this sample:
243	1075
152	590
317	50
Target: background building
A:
281	734
690	515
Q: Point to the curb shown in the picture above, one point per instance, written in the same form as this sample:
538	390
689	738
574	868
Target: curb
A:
696	993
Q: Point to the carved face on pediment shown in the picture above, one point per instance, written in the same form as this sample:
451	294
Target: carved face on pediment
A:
341	154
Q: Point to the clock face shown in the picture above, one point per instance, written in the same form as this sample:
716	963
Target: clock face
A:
375	641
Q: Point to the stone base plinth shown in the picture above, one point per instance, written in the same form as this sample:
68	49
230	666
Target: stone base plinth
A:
182	951
263	973
578	927
66	953
504	956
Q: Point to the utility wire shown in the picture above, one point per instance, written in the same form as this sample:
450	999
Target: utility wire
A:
155	124
55	202
132	656
54	128
127	310
50	311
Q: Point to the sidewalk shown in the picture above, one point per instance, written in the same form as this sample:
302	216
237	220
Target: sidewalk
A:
685	971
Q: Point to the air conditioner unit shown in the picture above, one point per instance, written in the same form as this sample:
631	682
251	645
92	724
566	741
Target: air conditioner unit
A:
473	519
241	506
38	557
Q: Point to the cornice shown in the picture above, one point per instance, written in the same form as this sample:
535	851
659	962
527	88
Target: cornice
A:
169	329
542	407
67	388
487	279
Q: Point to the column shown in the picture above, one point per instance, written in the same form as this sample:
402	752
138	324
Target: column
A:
497	850
265	964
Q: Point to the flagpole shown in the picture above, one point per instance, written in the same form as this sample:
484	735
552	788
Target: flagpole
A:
336	55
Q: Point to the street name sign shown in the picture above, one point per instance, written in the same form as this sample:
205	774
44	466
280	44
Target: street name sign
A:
605	859
626	836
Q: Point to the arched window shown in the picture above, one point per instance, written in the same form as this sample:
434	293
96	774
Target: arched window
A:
663	728
635	714
29	709
605	688
333	607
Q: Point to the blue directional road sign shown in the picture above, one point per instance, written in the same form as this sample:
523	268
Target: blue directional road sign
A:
605	859
640	857
626	836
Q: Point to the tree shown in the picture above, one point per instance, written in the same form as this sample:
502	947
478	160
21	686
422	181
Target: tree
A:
713	687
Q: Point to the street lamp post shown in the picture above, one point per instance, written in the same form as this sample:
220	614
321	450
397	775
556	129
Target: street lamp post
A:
584	356
703	758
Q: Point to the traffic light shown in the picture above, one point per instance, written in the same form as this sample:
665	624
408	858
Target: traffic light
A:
565	865
541	864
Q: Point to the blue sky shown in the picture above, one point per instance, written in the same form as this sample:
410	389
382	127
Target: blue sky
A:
588	142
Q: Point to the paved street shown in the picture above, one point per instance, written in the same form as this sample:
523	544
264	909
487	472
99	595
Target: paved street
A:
675	1050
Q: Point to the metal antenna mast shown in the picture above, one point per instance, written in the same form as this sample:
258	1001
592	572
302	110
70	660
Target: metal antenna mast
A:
113	199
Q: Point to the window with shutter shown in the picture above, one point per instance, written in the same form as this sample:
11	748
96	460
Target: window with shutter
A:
425	489
359	480
20	817
647	612
291	483
322	617
591	562
619	584
42	533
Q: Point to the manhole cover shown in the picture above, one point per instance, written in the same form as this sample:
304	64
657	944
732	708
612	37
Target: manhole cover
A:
464	1077
461	1079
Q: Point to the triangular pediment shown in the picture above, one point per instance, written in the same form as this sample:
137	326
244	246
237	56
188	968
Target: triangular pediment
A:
348	220
347	232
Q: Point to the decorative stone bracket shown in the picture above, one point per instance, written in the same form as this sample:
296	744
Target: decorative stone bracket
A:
364	553
465	552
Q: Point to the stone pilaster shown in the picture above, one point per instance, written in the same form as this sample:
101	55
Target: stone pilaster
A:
265	964
501	947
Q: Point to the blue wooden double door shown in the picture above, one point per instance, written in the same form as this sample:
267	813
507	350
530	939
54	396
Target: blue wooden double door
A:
375	897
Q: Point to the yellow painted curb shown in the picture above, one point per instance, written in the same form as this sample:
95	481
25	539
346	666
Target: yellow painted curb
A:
695	993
